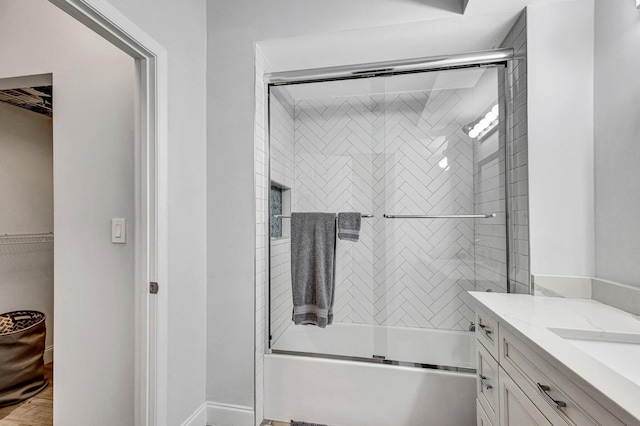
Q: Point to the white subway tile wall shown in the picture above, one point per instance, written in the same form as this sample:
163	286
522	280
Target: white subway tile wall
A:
489	197
262	192
282	172
515	88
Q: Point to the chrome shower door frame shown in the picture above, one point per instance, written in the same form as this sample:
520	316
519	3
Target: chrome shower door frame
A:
496	57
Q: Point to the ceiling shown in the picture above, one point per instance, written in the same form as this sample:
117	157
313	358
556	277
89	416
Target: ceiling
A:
472	7
38	99
312	35
452	35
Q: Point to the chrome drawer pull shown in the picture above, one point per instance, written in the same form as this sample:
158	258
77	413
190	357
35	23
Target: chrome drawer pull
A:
485	384
543	390
486	329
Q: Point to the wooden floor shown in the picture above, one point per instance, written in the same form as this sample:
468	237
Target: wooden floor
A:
36	411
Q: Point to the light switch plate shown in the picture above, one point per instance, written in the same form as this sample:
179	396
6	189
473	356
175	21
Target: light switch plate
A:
118	231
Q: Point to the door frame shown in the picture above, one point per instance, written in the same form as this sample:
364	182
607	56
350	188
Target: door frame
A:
151	195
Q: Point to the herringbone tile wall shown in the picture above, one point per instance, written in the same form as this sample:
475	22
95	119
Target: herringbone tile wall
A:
400	154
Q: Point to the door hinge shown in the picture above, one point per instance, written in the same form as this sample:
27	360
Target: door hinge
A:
153	287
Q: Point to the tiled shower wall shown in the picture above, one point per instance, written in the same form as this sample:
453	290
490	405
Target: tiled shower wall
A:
515	88
397	154
489	197
282	173
489	166
262	188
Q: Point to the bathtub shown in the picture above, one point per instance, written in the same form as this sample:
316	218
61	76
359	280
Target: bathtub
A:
349	393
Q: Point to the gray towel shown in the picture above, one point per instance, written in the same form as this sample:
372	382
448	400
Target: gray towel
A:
349	226
313	258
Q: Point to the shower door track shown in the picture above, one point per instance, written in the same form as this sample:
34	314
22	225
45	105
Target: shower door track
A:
376	69
382	361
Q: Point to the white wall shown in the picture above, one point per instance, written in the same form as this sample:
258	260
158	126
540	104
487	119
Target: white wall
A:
26	171
180	27
560	107
617	136
26	185
93	181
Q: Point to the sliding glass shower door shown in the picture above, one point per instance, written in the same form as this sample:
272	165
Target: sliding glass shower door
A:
422	157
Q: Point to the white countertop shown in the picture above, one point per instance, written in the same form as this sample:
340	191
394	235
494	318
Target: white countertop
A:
532	317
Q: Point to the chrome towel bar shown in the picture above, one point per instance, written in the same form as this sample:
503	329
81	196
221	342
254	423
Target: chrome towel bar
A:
446	216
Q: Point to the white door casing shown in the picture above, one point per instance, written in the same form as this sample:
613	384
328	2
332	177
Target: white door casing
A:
151	193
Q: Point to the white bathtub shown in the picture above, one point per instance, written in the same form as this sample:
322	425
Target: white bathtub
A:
415	345
351	393
348	393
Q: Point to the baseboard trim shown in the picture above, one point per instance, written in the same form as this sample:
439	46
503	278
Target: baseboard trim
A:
198	418
219	414
48	354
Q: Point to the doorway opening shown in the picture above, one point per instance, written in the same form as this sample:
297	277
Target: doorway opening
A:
26	251
93	186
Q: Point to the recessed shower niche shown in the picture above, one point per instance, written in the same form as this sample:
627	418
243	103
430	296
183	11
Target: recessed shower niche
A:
279	206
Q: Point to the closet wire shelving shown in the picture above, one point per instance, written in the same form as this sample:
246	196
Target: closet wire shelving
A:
19	239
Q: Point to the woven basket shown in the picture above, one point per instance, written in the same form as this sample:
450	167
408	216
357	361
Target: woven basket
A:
22	343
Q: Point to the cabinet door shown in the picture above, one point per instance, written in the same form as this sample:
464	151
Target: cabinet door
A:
482	419
527	368
515	408
488	390
487	332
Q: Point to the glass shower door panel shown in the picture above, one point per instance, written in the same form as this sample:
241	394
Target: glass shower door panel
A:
329	129
436	163
410	144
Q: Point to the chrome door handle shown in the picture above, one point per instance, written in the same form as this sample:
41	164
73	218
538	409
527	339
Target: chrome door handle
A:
554	403
484	383
486	329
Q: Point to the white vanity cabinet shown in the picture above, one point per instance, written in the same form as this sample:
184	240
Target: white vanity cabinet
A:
516	409
518	386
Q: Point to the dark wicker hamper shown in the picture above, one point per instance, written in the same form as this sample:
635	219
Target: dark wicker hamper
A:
22	344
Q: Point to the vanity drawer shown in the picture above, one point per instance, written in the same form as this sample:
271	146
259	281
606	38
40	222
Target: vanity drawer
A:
487	332
481	416
557	397
487	384
516	409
